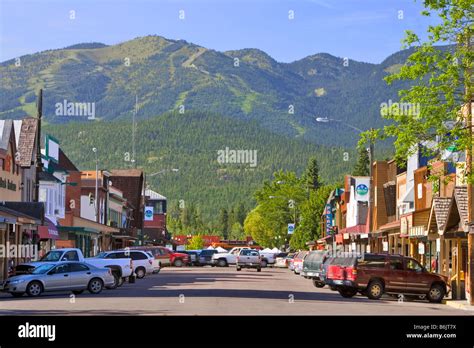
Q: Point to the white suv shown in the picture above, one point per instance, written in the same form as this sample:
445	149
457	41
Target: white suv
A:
142	261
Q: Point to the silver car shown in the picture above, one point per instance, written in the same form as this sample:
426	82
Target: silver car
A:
66	276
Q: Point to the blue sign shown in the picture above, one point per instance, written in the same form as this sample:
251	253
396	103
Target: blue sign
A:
291	228
328	219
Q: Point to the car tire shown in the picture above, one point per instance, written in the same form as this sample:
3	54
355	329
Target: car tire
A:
140	272
436	293
17	294
178	263
77	292
238	268
95	286
264	263
259	269
375	290
347	292
116	281
222	263
34	289
318	284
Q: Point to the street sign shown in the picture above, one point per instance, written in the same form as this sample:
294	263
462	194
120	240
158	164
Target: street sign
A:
291	228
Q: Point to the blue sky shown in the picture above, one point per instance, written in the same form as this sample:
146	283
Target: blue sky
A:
364	30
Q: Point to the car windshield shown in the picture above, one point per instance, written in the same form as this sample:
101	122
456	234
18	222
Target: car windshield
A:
53	255
101	255
42	269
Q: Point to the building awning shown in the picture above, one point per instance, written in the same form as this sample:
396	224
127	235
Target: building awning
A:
123	237
76	229
48	230
390	226
357	229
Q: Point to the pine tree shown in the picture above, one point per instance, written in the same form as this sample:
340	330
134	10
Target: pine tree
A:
224	223
312	174
363	162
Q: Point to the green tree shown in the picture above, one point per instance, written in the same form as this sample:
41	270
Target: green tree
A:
363	162
195	243
224	223
312	178
442	85
237	232
310	228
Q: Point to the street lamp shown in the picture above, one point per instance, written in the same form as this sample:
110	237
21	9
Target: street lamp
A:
94	149
371	156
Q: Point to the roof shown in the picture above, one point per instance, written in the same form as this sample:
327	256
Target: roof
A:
460	195
26	140
5	131
126	172
440	208
154	195
45	176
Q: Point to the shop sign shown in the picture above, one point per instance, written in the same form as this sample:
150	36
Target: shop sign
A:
385	246
328	219
149	213
7	184
362	186
438	245
353	246
421	248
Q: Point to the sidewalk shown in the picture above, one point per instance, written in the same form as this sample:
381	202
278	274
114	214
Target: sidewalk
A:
460	304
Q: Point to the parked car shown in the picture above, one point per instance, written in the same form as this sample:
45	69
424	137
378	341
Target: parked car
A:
193	257
166	257
281	260
122	268
205	257
313	265
63	276
226	259
375	274
142	261
298	262
249	258
268	259
290	261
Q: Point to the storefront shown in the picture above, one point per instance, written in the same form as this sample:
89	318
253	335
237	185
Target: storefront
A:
84	238
47	235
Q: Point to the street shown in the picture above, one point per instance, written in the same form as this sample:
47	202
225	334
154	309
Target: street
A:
217	291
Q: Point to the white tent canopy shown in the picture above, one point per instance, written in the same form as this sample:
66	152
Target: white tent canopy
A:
221	250
210	247
276	250
266	251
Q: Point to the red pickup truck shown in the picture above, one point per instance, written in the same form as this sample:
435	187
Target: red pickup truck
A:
166	256
372	275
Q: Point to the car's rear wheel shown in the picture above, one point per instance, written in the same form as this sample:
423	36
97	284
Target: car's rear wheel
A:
77	292
95	286
375	290
436	293
264	263
140	272
222	263
178	263
347	292
116	281
318	283
34	289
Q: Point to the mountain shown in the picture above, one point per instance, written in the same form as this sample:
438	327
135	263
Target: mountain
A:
168	75
191	143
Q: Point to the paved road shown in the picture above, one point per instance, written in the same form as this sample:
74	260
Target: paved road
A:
217	291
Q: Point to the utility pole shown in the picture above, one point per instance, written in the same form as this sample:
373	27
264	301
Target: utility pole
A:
134	161
371	190
39	163
469	169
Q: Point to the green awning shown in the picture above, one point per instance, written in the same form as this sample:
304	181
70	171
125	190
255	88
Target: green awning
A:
78	229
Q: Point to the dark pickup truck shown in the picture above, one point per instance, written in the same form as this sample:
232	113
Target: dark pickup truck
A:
313	267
